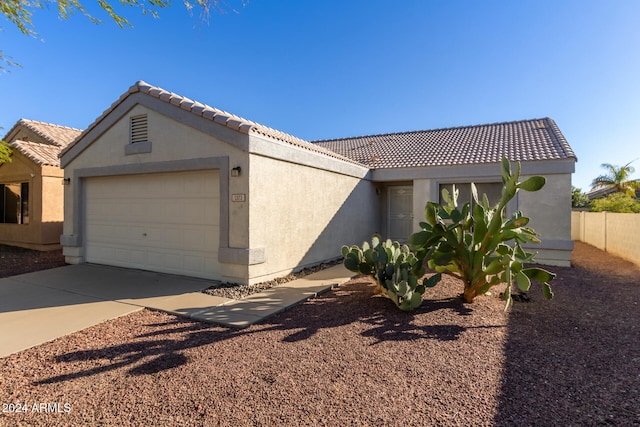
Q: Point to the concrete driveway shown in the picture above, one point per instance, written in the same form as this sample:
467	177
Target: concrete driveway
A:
41	306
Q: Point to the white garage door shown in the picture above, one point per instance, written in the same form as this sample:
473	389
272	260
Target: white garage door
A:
166	222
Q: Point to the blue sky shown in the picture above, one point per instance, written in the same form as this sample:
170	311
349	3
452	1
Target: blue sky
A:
330	69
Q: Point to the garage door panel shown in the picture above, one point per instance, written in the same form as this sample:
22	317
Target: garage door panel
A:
160	222
118	256
200	238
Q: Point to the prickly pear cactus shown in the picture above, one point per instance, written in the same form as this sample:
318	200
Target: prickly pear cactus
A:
393	267
478	245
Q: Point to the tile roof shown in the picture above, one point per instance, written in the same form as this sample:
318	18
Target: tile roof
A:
525	140
44	152
54	134
215	115
41	154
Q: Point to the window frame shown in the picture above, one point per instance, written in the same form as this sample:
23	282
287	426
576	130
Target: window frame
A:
22	203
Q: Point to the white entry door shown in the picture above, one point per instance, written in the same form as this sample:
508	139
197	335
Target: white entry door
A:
165	222
400	212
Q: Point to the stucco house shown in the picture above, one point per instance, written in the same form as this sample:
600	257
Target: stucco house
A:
31	191
164	183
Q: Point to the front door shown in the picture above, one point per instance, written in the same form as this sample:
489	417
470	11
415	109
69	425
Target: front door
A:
400	212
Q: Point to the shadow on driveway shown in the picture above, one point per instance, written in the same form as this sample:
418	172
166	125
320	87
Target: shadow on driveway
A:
41	306
163	348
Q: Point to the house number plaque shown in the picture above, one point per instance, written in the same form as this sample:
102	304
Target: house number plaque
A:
238	197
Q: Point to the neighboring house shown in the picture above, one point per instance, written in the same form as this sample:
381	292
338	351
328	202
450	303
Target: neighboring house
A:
163	183
31	191
605	191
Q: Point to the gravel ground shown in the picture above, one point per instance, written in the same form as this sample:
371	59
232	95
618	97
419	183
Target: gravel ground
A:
15	260
236	291
350	358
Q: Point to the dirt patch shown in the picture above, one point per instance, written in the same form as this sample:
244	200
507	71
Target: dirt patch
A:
349	358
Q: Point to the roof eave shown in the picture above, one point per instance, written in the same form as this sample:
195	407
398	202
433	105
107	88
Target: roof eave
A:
211	114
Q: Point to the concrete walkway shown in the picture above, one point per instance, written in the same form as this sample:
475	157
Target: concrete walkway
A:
41	306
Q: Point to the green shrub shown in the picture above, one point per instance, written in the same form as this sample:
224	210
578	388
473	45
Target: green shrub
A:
616	202
578	198
5	152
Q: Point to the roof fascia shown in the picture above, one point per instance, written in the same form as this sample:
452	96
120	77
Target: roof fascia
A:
98	129
272	148
473	171
12	132
253	143
230	136
221	131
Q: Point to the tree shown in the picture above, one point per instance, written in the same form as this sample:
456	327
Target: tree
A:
578	198
5	149
618	178
19	12
5	153
616	202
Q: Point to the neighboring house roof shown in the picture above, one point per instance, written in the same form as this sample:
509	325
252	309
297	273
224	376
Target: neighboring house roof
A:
45	151
601	192
605	191
525	140
215	115
55	134
41	154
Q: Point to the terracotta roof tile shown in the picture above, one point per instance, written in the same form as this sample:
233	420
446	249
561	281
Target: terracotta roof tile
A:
525	140
46	150
41	154
53	134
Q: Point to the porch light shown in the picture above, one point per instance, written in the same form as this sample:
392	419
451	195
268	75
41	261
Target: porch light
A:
235	171
66	181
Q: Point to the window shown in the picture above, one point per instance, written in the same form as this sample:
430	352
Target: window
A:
14	203
493	190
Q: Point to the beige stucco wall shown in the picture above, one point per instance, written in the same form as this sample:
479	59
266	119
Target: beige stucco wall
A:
302	215
422	193
282	214
549	208
52	214
618	233
289	207
52	189
171	141
550	212
45	204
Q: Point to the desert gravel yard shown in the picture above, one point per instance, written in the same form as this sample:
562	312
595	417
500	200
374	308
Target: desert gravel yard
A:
15	260
348	358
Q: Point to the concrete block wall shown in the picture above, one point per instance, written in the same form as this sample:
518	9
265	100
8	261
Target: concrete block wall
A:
617	233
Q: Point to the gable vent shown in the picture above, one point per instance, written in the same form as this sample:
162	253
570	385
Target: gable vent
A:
139	128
